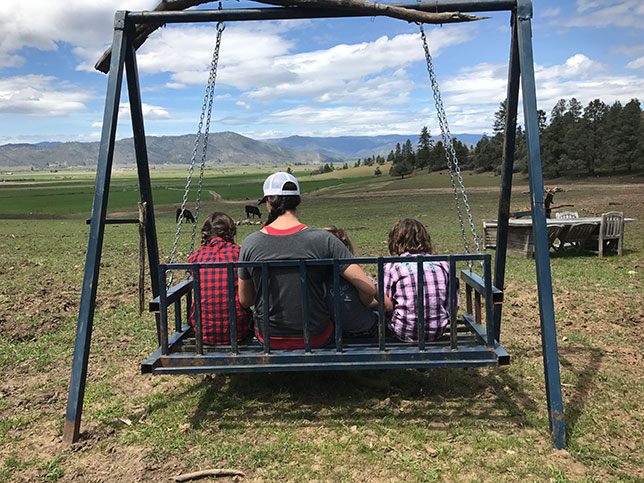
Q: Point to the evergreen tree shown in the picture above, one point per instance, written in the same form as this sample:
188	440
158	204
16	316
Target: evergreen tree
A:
425	145
592	125
499	117
397	154
630	149
407	152
437	159
401	168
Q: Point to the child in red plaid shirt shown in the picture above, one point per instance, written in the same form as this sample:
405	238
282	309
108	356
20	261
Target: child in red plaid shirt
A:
409	237
218	245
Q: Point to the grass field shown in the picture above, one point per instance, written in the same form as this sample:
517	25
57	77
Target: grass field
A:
404	425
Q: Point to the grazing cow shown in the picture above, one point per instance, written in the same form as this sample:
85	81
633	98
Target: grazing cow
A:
187	216
253	210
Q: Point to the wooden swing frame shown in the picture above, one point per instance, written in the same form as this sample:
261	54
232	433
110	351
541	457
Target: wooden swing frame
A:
483	340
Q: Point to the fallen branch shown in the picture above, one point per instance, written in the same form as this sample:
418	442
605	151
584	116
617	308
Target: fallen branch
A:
356	6
373	8
204	473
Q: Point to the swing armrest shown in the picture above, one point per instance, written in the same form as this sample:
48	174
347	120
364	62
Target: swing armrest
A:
476	282
174	293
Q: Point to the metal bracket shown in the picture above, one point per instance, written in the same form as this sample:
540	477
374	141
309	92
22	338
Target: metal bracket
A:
524	9
119	19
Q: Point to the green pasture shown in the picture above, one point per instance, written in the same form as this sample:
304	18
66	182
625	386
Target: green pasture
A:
403	425
73	194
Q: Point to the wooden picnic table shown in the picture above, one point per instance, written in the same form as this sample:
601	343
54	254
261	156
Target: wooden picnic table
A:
520	241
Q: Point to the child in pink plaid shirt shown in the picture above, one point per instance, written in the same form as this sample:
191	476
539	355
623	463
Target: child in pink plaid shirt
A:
409	237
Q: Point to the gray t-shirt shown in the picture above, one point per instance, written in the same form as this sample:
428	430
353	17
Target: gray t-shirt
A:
356	318
285	294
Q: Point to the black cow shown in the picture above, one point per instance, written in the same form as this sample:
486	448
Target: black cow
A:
252	210
187	216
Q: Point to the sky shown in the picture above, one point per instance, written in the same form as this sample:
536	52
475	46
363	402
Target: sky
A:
321	77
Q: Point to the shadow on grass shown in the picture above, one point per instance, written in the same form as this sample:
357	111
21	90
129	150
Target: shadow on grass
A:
470	396
584	363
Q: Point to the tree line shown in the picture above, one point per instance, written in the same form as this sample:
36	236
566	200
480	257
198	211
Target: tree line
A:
575	140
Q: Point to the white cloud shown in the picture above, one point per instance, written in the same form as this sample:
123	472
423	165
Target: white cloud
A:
474	95
43	24
258	59
550	12
636	64
150	112
42	96
629	50
604	13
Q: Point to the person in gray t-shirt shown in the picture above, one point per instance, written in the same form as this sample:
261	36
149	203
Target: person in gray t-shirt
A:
284	237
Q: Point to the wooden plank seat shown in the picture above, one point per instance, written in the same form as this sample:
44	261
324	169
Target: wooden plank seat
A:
467	342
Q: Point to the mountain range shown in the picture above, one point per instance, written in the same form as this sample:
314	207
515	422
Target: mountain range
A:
226	148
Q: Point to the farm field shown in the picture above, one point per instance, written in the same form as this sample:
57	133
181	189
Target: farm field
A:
404	425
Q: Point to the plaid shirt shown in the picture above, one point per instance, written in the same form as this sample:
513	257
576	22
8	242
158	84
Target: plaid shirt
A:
400	286
214	294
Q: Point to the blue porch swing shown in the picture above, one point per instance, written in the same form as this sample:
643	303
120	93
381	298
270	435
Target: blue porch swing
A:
472	339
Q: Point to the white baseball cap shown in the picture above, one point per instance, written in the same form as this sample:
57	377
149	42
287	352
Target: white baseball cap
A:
274	185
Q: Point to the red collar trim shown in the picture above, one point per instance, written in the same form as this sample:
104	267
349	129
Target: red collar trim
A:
288	231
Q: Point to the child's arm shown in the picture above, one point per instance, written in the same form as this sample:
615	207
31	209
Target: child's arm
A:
366	289
389	306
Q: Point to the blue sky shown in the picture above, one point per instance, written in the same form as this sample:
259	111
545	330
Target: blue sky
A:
362	76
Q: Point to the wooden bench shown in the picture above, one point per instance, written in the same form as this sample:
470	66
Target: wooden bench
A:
468	341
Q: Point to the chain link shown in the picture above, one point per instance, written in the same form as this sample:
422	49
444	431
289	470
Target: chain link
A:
450	153
206	107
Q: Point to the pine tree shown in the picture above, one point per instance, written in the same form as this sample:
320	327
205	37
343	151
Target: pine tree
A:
499	117
408	154
425	145
592	125
630	134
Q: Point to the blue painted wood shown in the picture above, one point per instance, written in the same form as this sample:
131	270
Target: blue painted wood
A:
476	282
305	307
142	166
452	306
337	310
542	256
196	276
232	308
265	295
163	314
96	231
420	303
381	305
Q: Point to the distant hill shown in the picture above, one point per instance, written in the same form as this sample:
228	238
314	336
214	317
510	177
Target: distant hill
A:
223	148
354	147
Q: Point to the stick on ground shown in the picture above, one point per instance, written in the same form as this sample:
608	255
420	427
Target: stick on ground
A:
204	473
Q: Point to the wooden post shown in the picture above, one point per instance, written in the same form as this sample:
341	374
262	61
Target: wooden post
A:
142	220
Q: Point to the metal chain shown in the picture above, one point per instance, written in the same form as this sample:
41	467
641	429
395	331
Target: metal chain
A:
211	95
450	152
207	105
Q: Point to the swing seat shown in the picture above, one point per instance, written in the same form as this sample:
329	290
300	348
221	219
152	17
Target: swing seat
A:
469	340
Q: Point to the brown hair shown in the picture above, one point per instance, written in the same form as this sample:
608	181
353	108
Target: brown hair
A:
341	235
409	235
218	225
280	204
